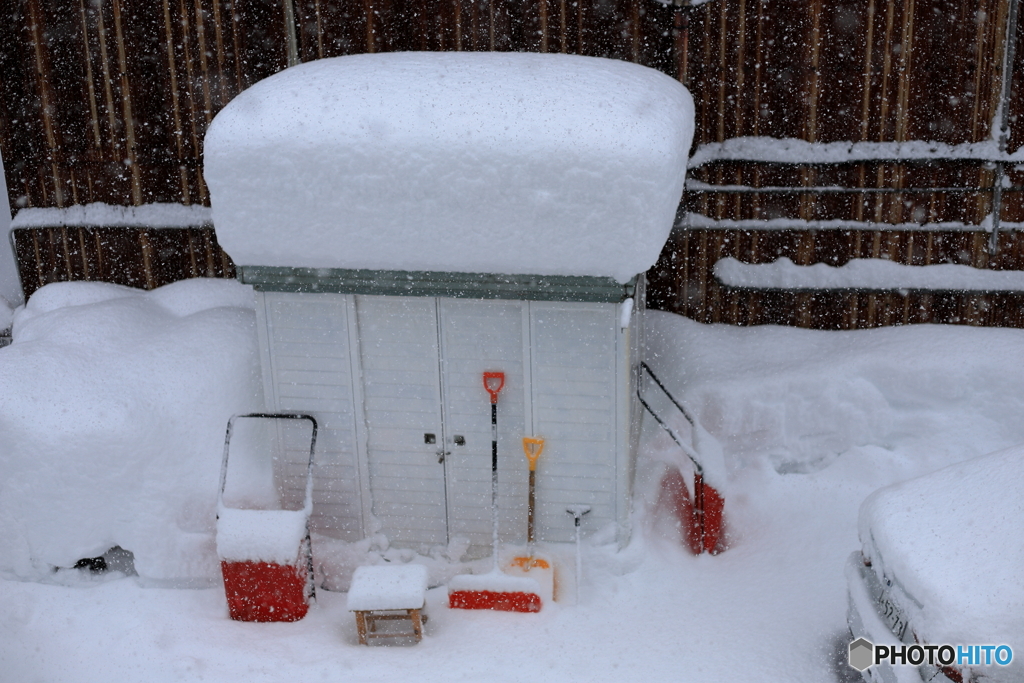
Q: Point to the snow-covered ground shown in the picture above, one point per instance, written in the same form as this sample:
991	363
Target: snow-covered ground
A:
809	422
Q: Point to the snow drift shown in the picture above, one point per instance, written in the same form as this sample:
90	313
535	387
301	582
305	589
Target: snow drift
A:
113	404
800	399
467	162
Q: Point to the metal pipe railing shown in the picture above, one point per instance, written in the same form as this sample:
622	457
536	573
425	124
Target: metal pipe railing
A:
690	451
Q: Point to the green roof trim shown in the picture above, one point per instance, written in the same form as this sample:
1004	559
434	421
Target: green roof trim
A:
430	283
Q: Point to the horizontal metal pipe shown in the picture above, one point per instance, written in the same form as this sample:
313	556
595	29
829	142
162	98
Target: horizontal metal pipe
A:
740	189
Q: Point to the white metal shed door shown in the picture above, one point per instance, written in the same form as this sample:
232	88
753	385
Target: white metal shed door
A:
479	336
574	361
423	364
402	406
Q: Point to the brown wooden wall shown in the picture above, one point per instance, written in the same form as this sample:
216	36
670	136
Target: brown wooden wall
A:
838	70
683	281
134	257
108	100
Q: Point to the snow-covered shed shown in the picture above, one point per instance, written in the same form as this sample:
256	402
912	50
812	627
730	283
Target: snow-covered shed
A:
412	220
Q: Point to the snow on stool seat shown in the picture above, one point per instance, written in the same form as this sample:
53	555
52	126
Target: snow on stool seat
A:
378	592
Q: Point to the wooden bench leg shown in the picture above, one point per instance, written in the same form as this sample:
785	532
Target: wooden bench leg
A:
361	627
417	624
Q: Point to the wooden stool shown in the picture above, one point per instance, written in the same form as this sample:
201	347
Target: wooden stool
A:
388	593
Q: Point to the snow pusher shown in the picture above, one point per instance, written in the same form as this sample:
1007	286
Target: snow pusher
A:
264	548
494	590
701	517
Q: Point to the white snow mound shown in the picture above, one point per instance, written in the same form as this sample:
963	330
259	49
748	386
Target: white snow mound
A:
113	405
456	161
865	273
801	399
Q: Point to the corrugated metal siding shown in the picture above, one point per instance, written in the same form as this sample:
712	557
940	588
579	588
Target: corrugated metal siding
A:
574	408
307	365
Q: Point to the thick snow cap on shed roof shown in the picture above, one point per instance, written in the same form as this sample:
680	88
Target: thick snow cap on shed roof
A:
459	162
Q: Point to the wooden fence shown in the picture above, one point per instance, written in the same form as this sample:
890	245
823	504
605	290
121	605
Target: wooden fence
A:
135	257
683	280
108	100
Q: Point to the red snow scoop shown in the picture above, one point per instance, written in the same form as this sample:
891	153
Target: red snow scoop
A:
259	588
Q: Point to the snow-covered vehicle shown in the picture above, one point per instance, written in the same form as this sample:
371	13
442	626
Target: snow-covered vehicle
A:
941	565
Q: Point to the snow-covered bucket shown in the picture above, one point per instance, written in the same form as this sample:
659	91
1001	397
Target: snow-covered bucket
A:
263	546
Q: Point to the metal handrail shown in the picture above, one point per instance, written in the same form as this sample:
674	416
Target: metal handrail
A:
690	451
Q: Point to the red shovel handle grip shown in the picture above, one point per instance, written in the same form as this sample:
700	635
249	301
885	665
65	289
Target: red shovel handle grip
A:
493	383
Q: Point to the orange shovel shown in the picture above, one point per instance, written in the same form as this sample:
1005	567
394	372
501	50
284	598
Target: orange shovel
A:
532	447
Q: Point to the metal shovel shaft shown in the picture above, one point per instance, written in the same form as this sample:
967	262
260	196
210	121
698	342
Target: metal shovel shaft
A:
493	384
577	512
494	482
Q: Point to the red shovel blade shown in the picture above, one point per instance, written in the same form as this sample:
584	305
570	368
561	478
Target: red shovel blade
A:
493	383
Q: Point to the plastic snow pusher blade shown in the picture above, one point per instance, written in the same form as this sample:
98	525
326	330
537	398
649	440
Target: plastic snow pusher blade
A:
258	590
700	517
